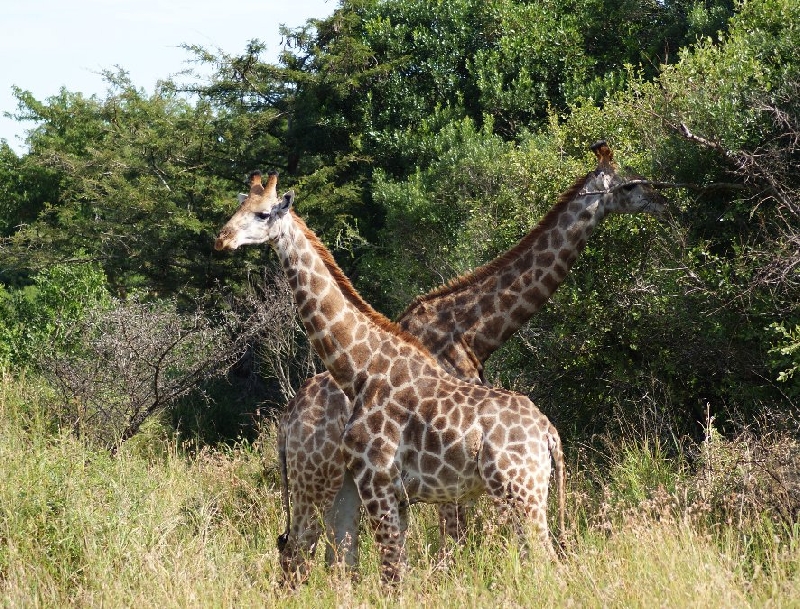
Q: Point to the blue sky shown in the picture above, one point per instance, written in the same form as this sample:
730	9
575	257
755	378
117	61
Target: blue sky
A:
49	44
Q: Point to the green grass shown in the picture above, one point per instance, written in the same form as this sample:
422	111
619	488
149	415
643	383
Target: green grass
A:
156	528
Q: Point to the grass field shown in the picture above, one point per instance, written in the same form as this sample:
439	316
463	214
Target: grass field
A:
157	526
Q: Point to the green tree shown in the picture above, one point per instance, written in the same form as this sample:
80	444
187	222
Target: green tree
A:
646	34
689	332
142	183
370	87
34	319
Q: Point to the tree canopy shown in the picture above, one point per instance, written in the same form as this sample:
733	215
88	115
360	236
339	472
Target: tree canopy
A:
425	137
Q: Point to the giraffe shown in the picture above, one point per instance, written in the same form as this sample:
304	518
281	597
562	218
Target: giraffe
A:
416	433
461	323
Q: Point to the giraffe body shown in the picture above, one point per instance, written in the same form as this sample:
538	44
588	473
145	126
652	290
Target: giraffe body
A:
461	324
415	433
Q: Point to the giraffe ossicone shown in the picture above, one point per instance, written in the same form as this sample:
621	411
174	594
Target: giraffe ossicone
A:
416	433
461	323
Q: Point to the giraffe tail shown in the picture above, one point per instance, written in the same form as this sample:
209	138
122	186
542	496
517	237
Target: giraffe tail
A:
554	443
283	538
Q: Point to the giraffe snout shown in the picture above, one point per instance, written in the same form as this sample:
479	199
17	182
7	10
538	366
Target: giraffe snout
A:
223	241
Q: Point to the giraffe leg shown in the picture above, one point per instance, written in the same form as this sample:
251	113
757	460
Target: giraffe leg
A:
343	522
452	521
521	493
530	523
451	527
389	521
297	549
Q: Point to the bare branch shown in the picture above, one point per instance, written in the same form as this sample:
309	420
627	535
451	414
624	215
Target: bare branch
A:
135	360
683	129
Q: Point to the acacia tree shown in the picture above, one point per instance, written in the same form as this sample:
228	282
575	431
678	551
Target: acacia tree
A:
139	183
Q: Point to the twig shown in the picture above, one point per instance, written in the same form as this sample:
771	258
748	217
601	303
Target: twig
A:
684	131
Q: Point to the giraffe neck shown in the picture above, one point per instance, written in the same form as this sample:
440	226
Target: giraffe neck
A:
343	329
494	301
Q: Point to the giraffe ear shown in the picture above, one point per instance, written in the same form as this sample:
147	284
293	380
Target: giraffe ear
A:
283	206
241	197
288	200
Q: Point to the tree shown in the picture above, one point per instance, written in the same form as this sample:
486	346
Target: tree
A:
34	319
141	184
133	360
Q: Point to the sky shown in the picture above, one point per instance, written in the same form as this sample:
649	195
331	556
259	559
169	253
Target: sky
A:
49	44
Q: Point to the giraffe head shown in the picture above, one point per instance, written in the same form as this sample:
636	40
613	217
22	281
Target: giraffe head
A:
259	217
621	194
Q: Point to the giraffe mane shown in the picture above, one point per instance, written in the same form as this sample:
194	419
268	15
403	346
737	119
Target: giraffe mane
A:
490	268
351	295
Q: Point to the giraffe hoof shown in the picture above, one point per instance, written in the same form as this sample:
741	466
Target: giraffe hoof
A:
283	539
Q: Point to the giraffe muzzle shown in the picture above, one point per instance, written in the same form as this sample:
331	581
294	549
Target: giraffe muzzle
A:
223	242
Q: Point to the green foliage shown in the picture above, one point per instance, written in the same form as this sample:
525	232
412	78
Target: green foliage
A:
429	213
638	471
34	319
26	188
786	354
646	34
718	85
474	196
11	190
143	183
534	59
376	67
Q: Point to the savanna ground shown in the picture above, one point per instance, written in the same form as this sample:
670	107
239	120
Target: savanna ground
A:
162	525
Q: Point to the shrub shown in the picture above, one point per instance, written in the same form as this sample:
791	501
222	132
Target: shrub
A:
36	318
133	360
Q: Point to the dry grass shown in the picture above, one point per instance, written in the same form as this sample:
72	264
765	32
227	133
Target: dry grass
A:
153	527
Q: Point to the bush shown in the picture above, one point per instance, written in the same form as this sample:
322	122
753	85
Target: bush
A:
133	360
36	318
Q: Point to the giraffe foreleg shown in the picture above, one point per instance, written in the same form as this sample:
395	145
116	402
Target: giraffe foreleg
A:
389	520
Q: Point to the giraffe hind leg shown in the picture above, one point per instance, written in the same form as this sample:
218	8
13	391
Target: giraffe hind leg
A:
296	548
452	530
524	500
452	523
342	524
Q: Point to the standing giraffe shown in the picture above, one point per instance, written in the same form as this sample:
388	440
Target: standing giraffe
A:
461	324
416	433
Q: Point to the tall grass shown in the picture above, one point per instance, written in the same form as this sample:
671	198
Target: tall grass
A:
156	527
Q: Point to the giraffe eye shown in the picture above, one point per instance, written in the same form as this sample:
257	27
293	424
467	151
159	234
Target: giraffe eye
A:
262	215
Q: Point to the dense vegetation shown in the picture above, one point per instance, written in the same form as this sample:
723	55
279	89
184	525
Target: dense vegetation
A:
424	138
